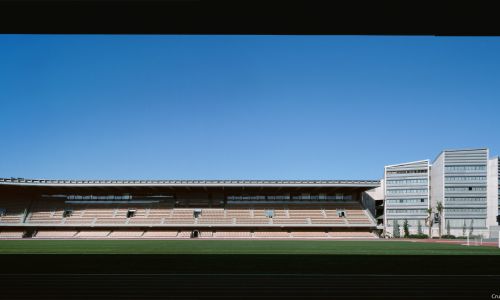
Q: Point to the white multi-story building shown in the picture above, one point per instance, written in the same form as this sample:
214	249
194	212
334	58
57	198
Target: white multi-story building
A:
463	182
460	183
407	196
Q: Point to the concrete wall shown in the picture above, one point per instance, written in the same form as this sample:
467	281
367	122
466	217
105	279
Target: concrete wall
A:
369	197
492	197
437	186
437	180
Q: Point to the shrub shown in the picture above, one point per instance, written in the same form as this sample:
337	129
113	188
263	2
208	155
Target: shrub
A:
449	236
418	236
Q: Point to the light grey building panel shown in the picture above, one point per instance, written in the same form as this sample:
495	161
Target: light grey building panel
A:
406	194
465	188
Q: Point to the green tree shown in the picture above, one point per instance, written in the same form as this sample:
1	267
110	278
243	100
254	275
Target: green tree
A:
406	229
429	221
419	227
471	230
395	229
439	209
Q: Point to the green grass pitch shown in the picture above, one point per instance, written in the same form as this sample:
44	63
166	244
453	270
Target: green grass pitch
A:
237	247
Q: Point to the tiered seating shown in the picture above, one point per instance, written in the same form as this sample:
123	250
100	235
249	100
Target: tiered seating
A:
326	221
238	213
258	221
309	234
98	212
11	218
248	215
160	210
11	233
126	233
14	210
212	213
46	233
44	217
234	214
144	220
364	221
314	214
271	234
232	234
306	213
78	221
160	234
184	234
290	221
253	220
181	216
105	220
179	220
43	211
353	211
206	234
357	217
215	221
92	233
351	234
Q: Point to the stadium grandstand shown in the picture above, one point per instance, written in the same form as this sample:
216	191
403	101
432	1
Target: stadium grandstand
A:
184	209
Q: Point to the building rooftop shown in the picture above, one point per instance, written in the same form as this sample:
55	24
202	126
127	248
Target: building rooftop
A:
297	183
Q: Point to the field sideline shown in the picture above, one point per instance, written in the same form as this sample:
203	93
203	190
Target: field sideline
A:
238	247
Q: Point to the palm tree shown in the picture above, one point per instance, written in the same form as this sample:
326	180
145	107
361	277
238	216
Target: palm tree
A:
419	228
439	208
463	229
406	229
429	220
471	230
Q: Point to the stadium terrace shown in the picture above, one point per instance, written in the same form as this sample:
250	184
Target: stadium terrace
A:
457	192
185	208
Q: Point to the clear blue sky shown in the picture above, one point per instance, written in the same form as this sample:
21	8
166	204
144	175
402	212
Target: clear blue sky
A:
241	107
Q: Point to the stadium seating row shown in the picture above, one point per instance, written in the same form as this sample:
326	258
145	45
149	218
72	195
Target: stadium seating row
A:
53	213
160	234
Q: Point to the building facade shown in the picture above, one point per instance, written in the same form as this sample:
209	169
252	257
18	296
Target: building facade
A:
459	183
460	187
407	196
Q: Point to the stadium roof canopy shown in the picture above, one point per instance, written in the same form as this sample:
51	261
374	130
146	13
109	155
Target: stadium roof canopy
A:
186	185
